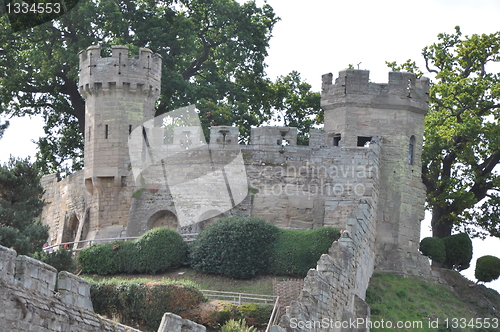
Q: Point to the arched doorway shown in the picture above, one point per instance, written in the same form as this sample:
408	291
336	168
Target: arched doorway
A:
164	219
70	229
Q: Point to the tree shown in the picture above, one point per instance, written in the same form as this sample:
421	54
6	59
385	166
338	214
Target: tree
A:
3	126
461	150
212	50
20	205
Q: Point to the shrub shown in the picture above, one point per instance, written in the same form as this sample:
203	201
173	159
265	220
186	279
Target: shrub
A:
433	247
98	259
61	259
255	314
458	251
160	249
297	251
237	326
236	247
487	268
143	302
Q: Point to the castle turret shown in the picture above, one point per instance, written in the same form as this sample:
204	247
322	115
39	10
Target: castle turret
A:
120	93
357	110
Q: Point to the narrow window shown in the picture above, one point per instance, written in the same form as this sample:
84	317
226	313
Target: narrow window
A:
90	130
106	132
129	129
364	141
336	139
411	148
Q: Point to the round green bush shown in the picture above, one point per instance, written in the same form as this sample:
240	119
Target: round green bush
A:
236	247
158	250
433	247
487	268
458	251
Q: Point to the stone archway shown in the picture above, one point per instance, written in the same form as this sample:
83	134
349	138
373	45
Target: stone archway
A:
70	229
164	219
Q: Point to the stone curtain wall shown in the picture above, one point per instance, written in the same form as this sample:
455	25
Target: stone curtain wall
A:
334	292
34	297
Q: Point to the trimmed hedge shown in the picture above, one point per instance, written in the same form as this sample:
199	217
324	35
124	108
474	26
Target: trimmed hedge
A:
143	302
241	248
487	268
158	250
235	247
458	251
434	248
297	251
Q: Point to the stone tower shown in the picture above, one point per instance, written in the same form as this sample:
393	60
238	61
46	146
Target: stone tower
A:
120	93
355	112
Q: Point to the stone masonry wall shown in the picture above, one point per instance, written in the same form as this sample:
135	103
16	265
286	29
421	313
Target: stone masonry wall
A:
334	292
34	297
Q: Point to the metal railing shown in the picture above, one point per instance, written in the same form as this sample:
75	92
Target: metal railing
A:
190	237
239	298
273	320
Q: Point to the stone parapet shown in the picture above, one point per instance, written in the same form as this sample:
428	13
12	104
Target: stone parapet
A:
174	323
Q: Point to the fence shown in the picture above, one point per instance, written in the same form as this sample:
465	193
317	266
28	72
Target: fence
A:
239	298
190	237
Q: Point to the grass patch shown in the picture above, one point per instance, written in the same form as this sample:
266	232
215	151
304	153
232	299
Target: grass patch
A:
257	285
411	299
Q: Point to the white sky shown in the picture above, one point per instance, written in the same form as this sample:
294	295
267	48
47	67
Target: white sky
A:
315	37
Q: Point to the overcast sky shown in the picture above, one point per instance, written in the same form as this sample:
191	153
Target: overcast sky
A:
315	37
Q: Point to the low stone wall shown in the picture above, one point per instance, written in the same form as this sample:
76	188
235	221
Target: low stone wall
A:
33	296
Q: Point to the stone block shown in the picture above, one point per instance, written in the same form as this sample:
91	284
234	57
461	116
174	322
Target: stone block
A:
7	264
35	275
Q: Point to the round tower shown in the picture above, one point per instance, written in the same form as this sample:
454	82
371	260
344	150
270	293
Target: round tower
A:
120	94
357	110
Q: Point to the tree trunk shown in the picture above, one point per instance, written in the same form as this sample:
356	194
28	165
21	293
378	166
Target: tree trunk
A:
441	226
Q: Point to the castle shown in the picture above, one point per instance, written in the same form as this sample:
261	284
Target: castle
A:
361	173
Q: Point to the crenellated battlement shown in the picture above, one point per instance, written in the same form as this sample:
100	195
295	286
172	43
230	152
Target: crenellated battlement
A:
354	86
137	74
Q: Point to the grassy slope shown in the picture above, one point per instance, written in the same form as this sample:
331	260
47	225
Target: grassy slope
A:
395	298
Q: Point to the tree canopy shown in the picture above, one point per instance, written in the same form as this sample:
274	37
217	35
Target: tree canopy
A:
213	55
20	205
461	153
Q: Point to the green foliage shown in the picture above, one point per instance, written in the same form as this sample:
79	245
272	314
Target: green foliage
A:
158	250
461	147
297	251
487	268
98	259
143	302
213	54
237	326
458	251
20	206
3	126
236	247
433	247
61	259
